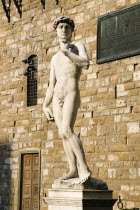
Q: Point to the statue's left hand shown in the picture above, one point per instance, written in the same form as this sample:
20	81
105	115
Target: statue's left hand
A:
48	113
64	46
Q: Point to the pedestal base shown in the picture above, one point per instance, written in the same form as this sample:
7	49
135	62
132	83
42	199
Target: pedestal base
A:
71	195
68	199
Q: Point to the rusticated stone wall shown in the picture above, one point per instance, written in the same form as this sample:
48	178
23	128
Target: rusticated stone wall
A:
108	121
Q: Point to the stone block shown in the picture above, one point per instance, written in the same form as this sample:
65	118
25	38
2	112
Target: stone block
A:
88	115
127	118
102	90
133	173
127	77
133	127
113	157
117	118
83	131
136	75
121	3
50	135
130	67
49	27
129	86
136	109
49	145
91	106
92	76
120	88
90	39
79	18
20	129
112	173
90	4
118	148
123	93
121	103
125	187
130	205
90	149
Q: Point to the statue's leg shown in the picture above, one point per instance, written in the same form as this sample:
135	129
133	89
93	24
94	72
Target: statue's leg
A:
73	172
69	110
57	112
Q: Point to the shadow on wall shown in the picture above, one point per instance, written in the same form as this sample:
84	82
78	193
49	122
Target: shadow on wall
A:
5	176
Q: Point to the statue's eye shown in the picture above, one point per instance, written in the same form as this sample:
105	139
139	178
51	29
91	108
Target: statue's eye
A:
60	26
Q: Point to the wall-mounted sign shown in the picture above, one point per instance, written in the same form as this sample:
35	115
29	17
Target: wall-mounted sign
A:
118	34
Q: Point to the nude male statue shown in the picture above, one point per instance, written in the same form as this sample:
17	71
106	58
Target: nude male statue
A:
63	90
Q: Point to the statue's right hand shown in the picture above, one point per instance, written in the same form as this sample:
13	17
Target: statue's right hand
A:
48	113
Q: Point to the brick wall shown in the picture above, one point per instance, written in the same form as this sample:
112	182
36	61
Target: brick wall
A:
108	120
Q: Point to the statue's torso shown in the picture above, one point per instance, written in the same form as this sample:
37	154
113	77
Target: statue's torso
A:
67	75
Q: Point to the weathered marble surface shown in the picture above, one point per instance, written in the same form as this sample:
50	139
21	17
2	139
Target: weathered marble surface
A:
91	183
63	91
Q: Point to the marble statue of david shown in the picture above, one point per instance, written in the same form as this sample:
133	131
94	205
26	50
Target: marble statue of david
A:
63	91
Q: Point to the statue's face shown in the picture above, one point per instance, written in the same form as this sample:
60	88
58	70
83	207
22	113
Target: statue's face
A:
64	31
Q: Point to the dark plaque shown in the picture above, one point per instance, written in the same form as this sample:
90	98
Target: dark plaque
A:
118	34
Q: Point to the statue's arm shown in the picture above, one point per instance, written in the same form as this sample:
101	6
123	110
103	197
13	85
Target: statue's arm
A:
49	94
82	59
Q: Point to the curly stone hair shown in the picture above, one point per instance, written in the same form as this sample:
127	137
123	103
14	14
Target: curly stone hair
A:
64	19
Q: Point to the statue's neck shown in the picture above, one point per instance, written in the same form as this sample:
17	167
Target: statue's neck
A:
64	40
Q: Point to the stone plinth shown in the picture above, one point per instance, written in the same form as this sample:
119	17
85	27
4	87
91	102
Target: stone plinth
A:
78	199
92	183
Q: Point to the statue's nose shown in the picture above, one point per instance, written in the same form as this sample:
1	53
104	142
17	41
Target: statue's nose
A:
64	29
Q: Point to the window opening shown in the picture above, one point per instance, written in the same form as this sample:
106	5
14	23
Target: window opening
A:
31	73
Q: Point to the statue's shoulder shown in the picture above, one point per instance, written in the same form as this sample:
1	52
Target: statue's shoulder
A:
54	58
78	44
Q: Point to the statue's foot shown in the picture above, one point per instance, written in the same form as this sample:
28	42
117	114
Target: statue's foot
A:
70	175
84	174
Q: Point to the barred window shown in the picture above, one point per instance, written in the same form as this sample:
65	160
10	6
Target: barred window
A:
31	73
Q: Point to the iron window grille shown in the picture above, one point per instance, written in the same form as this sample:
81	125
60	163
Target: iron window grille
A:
31	73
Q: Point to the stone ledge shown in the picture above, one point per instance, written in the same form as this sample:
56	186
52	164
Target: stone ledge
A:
80	194
87	199
80	202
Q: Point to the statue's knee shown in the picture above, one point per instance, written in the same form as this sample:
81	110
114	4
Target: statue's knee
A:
61	135
67	132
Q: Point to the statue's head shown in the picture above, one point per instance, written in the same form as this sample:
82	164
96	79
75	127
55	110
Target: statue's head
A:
64	19
64	27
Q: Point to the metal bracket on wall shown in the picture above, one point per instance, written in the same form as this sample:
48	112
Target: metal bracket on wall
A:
31	63
18	4
120	203
6	8
43	3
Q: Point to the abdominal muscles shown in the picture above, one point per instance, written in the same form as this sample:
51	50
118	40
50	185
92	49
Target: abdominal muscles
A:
67	75
65	86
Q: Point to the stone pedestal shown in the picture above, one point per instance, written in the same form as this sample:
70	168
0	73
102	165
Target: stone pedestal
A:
65	196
